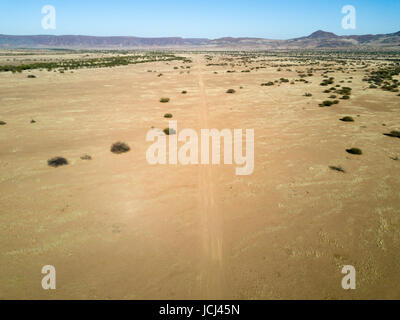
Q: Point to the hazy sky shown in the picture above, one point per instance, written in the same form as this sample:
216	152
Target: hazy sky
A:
275	19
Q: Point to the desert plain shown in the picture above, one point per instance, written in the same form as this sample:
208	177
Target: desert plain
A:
116	227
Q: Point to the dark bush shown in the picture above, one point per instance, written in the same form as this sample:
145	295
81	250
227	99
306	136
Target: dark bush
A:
164	100
169	131
230	91
2	123
356	151
337	168
327	103
86	157
393	134
57	161
347	119
120	147
31	76
168	115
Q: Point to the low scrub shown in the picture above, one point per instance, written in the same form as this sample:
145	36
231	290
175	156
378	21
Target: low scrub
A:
337	168
393	134
86	157
120	147
57	162
347	119
169	131
355	151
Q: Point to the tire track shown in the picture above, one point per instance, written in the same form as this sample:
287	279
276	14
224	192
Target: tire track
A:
212	269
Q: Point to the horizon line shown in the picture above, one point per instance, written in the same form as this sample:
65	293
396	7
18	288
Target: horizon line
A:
181	37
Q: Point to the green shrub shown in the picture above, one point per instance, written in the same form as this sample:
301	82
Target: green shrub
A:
230	91
168	115
307	94
57	161
164	100
327	103
393	134
337	168
169	131
2	123
31	76
267	84
86	157
345	98
120	147
184	92
355	151
347	119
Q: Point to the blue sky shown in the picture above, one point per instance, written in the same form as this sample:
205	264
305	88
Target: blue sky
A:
275	19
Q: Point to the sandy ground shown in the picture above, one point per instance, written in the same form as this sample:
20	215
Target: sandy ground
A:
116	227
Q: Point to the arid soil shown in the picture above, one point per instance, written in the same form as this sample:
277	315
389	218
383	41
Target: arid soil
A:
116	227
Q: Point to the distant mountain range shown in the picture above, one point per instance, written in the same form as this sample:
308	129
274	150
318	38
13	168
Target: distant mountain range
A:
317	40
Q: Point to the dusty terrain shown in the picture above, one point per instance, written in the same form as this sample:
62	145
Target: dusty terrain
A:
116	227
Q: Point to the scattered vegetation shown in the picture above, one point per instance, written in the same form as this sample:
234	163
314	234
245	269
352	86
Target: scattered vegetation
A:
103	62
